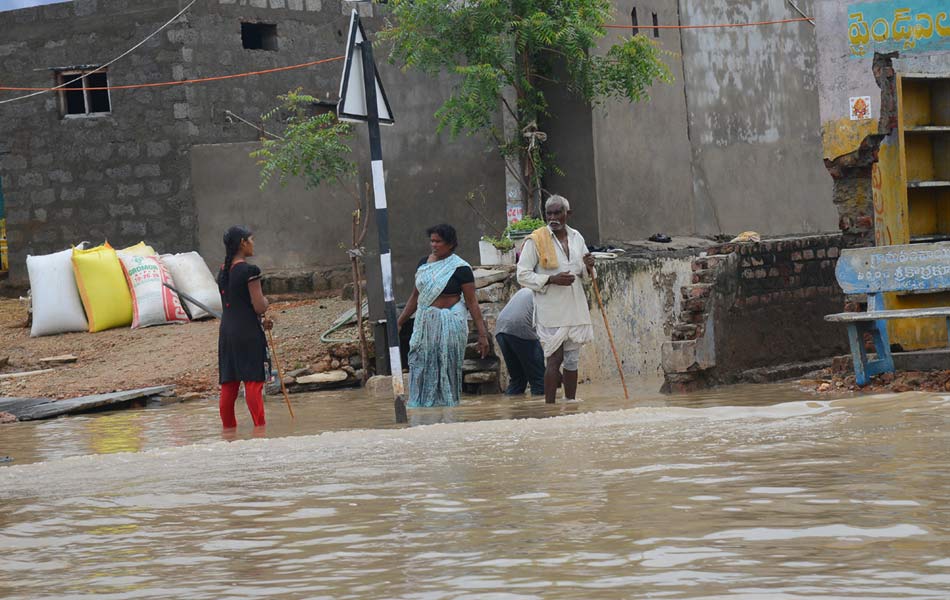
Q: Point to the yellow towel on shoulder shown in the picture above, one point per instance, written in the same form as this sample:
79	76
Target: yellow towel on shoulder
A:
544	243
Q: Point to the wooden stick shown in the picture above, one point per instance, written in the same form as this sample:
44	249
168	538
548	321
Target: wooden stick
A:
280	373
25	374
610	336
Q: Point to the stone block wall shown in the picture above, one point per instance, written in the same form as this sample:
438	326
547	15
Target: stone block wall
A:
754	305
125	176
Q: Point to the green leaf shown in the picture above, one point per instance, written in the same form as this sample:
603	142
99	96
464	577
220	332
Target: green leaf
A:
312	146
491	45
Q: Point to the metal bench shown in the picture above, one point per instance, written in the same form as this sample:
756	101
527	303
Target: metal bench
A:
908	269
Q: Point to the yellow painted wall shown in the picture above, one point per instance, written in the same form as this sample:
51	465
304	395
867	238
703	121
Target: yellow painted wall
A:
887	188
844	136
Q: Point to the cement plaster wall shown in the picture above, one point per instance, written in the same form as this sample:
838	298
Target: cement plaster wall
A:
293	227
753	103
732	144
428	177
642	299
642	150
840	77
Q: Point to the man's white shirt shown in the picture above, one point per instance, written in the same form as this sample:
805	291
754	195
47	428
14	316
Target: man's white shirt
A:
557	305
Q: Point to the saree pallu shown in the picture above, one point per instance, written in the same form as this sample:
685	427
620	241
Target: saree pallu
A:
437	346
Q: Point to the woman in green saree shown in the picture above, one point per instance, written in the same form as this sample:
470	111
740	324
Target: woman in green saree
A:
440	333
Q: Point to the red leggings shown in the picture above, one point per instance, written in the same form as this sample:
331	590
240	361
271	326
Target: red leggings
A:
253	393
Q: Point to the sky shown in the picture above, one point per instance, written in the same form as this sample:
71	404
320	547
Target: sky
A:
15	4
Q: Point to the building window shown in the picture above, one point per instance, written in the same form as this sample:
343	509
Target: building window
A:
656	30
633	21
259	36
75	98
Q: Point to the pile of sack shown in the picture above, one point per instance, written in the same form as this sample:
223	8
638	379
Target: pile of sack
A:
93	289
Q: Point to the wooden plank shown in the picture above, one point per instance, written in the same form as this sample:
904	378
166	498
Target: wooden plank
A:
894	268
928	184
929	129
87	403
904	313
62	359
15	406
25	374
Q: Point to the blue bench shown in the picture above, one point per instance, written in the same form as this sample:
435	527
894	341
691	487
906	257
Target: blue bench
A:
908	269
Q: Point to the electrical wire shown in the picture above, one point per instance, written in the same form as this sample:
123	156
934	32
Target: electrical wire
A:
181	82
262	131
710	26
38	92
41	90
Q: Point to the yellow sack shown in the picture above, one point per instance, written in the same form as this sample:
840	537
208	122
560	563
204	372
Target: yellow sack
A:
140	249
102	287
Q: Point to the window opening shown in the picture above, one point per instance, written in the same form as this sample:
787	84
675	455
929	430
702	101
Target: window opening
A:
656	30
259	36
76	99
633	21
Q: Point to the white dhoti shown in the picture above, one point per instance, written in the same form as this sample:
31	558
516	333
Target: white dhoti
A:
571	338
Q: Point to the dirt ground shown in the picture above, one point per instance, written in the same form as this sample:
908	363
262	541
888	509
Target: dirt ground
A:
182	355
835	380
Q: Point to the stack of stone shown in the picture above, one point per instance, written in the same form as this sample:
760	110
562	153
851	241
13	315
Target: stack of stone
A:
493	287
341	367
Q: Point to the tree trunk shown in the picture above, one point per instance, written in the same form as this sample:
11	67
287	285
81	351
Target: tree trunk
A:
358	295
515	196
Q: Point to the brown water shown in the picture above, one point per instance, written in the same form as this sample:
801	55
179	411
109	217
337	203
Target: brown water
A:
724	495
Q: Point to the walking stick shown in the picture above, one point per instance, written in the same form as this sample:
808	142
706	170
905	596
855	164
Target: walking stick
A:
610	336
280	373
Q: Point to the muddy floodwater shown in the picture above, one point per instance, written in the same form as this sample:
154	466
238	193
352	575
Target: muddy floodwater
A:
754	492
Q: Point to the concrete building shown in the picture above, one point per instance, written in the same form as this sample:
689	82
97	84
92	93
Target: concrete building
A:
732	144
170	165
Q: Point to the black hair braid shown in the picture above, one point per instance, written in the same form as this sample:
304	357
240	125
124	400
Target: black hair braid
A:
232	243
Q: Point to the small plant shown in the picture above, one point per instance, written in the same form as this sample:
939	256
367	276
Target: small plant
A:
502	244
524	225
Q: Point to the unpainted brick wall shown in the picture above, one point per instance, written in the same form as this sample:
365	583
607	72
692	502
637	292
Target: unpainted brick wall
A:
768	307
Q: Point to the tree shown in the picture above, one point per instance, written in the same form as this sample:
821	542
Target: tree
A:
315	147
502	51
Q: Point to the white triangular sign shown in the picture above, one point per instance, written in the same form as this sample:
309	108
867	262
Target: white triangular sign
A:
352	106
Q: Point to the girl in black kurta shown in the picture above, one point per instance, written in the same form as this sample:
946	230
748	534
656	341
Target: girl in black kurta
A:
242	345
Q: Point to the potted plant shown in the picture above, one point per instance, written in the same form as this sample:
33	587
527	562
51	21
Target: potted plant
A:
496	251
519	231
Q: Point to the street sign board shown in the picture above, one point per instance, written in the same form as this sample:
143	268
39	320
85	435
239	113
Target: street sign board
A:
352	106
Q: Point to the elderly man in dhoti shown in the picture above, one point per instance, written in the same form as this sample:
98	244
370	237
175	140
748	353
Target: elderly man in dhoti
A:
554	262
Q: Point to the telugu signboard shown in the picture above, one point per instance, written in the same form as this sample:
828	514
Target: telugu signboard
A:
908	26
894	268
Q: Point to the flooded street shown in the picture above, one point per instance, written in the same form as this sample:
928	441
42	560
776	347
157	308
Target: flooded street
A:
756	492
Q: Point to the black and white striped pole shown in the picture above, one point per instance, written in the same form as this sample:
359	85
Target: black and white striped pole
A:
361	100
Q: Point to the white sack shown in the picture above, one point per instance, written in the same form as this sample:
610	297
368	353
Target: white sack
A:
193	277
57	307
152	302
